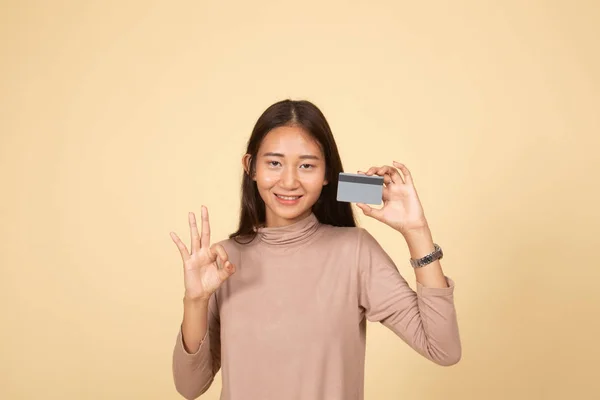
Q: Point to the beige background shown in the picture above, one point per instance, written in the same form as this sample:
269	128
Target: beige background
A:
119	117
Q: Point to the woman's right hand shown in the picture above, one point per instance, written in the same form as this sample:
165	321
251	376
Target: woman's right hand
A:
206	267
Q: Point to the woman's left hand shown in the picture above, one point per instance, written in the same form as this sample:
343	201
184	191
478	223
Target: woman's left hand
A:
402	208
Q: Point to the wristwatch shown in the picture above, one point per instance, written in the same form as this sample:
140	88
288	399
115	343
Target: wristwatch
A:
436	254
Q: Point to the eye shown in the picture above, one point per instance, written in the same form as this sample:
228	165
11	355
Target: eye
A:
271	163
309	166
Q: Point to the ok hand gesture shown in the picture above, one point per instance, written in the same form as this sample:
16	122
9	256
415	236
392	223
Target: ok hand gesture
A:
206	267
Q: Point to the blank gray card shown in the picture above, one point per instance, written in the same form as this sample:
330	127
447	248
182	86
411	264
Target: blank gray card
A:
358	188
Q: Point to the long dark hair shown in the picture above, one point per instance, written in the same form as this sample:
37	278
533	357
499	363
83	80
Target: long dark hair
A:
306	115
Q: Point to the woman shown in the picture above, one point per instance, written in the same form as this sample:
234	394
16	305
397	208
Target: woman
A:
281	306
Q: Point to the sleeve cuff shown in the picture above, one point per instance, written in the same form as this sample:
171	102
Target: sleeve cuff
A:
433	291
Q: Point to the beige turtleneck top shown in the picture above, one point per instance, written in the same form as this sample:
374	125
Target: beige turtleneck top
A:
291	322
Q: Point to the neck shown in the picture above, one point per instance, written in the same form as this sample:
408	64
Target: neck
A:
290	234
276	221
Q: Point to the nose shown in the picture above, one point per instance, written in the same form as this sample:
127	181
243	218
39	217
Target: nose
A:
289	180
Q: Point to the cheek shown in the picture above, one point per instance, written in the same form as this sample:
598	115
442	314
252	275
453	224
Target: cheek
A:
266	179
314	185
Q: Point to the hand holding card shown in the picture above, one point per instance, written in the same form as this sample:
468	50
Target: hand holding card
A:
402	209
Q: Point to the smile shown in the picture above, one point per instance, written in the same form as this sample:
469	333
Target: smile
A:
290	198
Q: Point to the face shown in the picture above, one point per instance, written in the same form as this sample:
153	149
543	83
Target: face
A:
290	174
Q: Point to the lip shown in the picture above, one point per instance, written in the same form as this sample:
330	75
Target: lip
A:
287	202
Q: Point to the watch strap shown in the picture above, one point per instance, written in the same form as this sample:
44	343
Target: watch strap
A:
436	254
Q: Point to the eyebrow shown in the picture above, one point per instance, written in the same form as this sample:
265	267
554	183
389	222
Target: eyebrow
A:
304	157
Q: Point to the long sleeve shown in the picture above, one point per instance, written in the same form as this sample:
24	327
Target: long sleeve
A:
194	373
425	319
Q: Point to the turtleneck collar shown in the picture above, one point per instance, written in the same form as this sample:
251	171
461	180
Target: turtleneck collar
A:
295	233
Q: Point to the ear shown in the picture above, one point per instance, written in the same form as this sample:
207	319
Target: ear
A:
325	182
246	164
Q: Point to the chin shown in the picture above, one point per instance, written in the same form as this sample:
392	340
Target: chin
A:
288	213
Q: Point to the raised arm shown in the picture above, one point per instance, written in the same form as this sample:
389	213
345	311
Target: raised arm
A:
425	319
197	352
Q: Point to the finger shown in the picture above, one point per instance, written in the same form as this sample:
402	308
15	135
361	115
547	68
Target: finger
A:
386	179
219	251
405	172
227	270
391	172
205	238
185	254
194	232
372	170
385	193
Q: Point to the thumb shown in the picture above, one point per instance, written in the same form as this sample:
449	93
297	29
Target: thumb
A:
370	211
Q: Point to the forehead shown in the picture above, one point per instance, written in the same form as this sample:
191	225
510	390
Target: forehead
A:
290	140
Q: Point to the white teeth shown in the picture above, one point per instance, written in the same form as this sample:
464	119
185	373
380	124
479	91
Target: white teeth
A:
287	197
